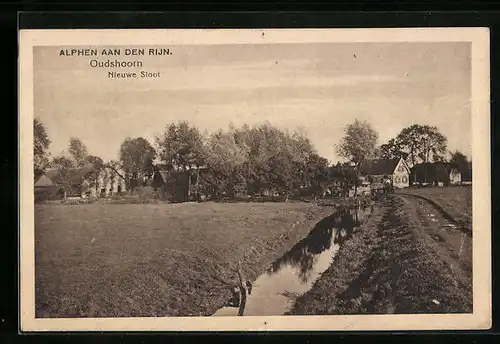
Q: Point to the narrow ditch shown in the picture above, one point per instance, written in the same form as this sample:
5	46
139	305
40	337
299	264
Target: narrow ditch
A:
274	292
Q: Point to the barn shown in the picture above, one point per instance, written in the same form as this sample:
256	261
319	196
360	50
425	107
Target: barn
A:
438	173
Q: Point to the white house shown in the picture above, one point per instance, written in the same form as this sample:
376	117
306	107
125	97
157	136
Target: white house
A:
394	169
85	182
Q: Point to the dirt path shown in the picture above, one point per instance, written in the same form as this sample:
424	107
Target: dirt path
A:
409	258
443	235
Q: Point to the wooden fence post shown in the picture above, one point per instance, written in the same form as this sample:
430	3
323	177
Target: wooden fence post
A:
243	291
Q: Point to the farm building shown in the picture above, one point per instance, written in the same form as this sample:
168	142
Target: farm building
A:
83	182
394	169
466	172
110	181
439	173
179	185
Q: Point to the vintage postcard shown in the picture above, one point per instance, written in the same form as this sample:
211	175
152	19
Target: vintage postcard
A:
255	180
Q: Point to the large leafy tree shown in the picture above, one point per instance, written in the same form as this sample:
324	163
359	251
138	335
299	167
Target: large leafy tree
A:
41	146
95	160
343	174
281	173
99	165
302	148
225	158
392	150
421	143
317	174
63	165
78	150
181	147
256	159
460	160
136	157
276	158
358	144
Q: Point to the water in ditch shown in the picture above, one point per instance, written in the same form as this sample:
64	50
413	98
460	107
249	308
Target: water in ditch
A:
274	292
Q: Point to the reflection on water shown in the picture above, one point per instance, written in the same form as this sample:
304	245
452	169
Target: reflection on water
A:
298	269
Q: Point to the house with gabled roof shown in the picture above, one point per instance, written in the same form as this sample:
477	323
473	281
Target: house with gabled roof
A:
82	182
377	170
56	184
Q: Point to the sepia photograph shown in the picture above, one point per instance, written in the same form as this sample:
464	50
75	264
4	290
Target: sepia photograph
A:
250	179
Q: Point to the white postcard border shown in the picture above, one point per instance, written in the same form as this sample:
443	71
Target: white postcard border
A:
480	125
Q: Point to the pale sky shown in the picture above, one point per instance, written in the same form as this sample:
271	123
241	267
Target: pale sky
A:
318	87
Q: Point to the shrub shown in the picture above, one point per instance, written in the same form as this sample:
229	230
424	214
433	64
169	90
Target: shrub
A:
48	194
145	192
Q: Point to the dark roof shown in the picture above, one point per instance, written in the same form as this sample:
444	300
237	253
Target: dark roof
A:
53	175
74	176
78	174
466	172
432	172
378	166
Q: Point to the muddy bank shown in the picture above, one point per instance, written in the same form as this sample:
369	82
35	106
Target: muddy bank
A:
275	290
388	266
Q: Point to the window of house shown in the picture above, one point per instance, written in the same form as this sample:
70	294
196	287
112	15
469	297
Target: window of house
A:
404	179
398	179
401	169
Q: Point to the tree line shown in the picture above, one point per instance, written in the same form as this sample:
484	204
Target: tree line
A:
251	160
244	160
415	144
418	144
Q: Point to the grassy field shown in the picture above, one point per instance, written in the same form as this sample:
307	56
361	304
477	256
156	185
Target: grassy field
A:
457	201
391	264
110	260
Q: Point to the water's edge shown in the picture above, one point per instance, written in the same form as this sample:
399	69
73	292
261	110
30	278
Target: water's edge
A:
274	291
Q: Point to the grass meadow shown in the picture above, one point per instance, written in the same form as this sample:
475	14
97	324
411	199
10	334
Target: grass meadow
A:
128	260
456	201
